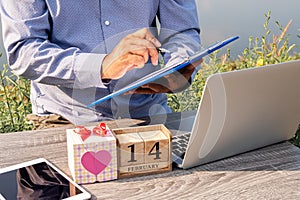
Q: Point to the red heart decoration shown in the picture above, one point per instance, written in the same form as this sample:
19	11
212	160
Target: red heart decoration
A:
95	162
100	129
83	132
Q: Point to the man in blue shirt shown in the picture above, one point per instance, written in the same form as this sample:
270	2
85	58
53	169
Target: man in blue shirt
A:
75	52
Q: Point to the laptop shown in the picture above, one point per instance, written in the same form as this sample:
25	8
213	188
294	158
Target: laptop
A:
239	111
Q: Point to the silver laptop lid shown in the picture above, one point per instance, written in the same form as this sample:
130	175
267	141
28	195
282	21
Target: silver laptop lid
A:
244	110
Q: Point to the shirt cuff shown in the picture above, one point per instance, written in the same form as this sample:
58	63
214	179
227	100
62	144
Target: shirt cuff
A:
87	69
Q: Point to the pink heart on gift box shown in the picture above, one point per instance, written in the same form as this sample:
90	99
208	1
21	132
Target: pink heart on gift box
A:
95	162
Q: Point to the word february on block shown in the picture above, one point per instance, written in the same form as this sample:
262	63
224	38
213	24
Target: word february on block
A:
92	154
143	150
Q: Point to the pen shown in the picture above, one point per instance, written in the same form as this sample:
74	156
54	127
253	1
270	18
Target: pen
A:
162	50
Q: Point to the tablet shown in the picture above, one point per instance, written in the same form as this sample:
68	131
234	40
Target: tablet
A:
166	70
38	179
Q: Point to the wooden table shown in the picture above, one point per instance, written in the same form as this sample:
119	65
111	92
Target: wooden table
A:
269	173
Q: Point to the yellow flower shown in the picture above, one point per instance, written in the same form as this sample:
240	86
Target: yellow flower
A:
260	62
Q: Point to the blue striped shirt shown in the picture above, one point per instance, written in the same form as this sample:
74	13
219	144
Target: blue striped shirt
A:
59	45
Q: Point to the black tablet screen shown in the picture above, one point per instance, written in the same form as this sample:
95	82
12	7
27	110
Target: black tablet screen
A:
39	181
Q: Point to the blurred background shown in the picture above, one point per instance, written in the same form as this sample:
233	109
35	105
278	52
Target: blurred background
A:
221	19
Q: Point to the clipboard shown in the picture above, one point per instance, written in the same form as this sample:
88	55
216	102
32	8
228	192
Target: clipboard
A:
165	71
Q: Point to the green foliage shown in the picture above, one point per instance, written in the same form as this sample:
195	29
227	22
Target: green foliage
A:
14	102
261	51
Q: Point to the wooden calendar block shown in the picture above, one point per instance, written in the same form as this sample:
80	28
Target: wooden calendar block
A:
157	146
143	150
131	149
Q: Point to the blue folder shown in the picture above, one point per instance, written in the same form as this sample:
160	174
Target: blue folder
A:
165	71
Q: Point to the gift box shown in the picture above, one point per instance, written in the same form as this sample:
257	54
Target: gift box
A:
92	154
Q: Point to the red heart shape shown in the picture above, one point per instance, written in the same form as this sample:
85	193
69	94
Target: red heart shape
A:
100	129
95	162
83	132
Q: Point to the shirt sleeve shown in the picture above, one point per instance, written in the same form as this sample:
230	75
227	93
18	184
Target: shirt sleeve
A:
180	30
30	52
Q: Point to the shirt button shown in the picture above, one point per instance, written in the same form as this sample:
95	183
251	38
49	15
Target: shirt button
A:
107	23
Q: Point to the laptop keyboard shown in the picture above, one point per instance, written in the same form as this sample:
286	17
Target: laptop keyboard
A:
179	144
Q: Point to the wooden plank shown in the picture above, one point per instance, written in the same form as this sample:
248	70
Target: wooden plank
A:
269	173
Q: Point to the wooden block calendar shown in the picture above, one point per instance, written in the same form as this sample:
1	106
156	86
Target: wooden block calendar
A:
143	150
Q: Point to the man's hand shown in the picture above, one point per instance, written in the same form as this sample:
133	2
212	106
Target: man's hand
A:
133	51
171	83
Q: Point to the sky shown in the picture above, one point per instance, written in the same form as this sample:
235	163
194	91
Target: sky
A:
221	19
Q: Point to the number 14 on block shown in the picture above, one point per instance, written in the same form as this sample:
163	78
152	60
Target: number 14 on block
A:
143	150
